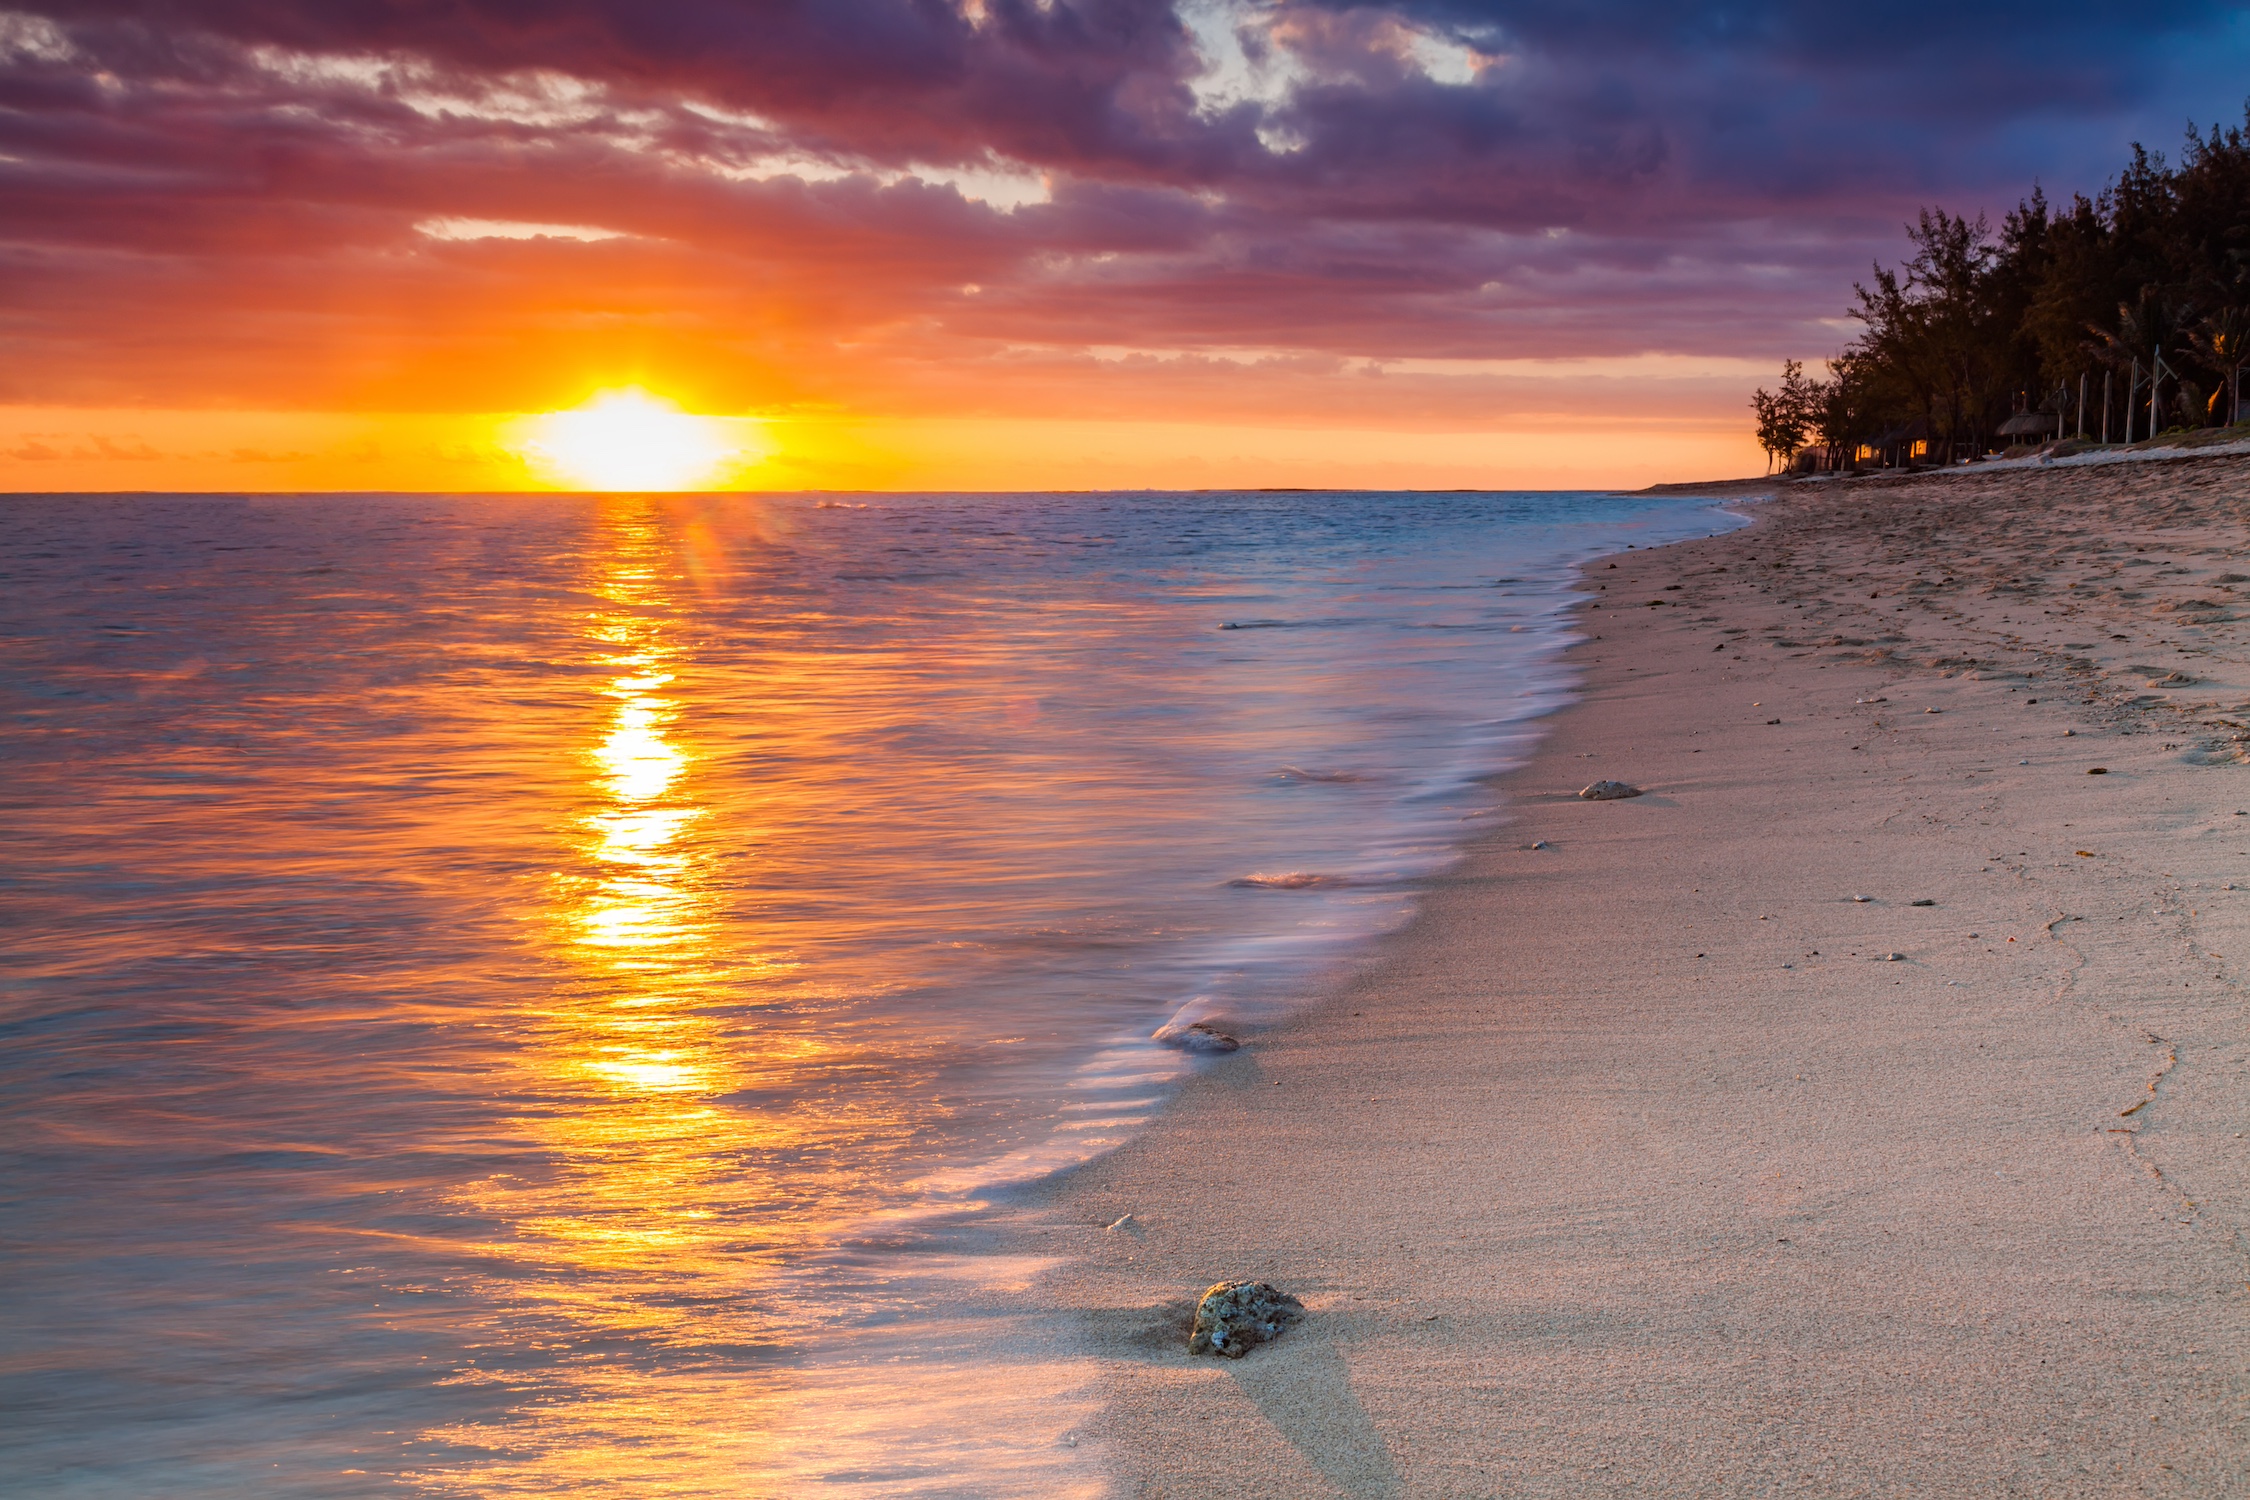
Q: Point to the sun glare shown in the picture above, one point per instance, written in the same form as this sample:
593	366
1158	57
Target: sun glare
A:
631	440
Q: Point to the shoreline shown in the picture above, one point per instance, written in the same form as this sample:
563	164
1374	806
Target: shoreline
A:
1635	1162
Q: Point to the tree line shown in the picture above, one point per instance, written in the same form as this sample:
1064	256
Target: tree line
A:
2125	314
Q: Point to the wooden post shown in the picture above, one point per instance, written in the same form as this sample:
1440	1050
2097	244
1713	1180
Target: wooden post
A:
2082	406
2106	376
2155	378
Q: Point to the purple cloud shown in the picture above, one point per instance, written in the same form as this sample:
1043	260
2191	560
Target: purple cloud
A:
267	201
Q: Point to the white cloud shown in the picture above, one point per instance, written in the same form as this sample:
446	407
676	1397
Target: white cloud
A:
997	184
536	97
1444	60
1261	73
1256	52
1642	367
1597	367
34	38
744	147
768	166
513	229
740	119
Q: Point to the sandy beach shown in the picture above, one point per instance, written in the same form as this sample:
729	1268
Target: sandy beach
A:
1859	1112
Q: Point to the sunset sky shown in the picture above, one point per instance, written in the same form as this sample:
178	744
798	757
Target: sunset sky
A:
349	244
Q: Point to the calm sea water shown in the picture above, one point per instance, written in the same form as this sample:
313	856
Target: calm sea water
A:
491	983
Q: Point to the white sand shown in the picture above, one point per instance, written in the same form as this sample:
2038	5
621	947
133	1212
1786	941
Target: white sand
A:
1634	1166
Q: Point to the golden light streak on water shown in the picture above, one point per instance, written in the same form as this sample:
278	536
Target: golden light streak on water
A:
638	1243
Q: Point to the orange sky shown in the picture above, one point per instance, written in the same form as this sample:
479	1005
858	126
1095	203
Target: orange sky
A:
849	359
97	449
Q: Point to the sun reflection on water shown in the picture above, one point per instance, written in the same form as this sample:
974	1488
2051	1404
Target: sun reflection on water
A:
642	1241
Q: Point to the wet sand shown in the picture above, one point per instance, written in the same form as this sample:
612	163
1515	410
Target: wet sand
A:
1656	1161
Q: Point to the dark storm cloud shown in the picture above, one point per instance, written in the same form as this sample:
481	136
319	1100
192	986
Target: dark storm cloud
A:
1428	177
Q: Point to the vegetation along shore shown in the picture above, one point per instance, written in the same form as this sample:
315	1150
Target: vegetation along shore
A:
2113	318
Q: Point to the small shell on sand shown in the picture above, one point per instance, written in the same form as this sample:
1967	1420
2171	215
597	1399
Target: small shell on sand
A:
1196	1036
1894	958
1609	791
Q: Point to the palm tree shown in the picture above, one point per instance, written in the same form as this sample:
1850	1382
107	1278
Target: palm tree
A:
2223	339
2145	327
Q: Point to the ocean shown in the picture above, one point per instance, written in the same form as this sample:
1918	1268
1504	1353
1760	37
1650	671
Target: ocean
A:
498	990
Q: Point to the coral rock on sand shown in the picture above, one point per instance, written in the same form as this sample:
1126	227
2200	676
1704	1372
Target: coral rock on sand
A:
1235	1317
1197	1036
1609	791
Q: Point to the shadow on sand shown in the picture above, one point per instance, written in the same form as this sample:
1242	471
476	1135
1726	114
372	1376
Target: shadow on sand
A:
1303	1386
1300	1384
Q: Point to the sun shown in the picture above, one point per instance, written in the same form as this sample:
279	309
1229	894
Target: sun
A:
631	440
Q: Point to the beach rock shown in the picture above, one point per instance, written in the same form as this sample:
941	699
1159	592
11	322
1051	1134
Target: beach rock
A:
1609	791
1235	1317
1925	901
1197	1036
